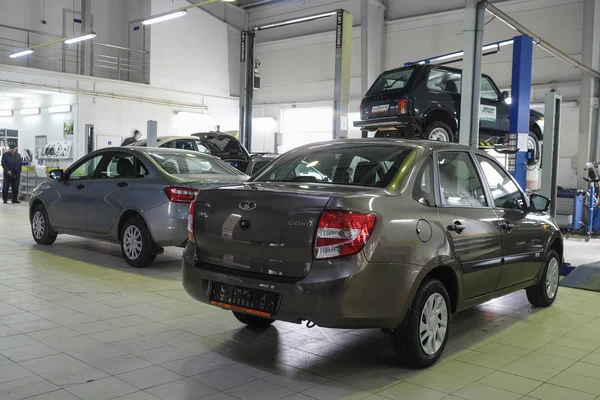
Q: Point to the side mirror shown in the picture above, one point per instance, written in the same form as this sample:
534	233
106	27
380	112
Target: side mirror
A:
56	175
505	95
539	203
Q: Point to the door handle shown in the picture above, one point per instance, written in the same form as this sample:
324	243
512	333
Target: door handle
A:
456	227
80	187
122	184
507	225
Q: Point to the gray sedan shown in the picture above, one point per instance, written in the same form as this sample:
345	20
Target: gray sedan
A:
138	197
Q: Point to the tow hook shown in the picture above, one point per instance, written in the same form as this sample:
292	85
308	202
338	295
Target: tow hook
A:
310	324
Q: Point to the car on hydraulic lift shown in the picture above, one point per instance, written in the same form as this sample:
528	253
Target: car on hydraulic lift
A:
424	101
372	233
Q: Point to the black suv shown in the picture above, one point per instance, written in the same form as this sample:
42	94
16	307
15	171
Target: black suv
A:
424	101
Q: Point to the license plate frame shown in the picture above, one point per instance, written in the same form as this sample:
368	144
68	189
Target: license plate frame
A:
243	299
382	108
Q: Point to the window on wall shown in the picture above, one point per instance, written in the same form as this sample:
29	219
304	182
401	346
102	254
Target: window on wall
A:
300	126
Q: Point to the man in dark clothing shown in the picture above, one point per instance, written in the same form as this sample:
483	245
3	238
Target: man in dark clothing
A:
11	166
136	136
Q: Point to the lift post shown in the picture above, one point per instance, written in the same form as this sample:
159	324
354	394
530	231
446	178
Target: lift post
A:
518	130
552	114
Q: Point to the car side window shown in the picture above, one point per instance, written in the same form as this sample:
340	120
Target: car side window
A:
505	192
183	144
487	89
440	80
258	166
423	188
123	165
202	148
460	185
86	169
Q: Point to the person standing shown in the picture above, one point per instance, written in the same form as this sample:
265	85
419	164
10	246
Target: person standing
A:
132	139
12	163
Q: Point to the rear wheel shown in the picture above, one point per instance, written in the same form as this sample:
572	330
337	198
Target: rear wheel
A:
252	321
136	243
439	131
533	143
422	336
40	227
543	293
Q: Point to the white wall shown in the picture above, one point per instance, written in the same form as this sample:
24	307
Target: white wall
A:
190	53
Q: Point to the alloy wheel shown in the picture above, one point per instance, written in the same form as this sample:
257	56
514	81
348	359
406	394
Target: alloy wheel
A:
132	242
552	278
38	225
433	324
440	135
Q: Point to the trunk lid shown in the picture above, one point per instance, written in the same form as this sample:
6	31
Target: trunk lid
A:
378	105
261	228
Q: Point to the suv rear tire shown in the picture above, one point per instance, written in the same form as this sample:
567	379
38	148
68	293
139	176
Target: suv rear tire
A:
421	338
533	141
136	243
439	131
252	321
543	293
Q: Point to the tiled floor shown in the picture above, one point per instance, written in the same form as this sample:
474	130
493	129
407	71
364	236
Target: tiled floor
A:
77	323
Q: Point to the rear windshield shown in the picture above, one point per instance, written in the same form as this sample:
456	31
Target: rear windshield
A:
391	80
373	166
190	163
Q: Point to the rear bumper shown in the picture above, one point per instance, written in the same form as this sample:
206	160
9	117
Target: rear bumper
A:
374	124
344	293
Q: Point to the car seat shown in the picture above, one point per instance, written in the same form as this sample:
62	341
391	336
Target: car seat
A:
125	168
451	87
365	173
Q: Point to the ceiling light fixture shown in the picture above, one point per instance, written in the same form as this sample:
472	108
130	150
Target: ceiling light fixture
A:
59	109
30	111
6	113
81	38
21	53
164	17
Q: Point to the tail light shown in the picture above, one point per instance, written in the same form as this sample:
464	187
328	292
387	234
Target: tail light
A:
402	106
191	213
361	110
342	233
180	194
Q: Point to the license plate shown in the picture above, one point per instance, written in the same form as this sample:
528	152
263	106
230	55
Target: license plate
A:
380	109
236	298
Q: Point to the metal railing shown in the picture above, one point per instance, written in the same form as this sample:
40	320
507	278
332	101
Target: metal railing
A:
106	61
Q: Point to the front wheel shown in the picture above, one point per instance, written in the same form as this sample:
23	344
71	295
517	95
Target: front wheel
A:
252	321
543	293
136	243
422	336
40	227
439	131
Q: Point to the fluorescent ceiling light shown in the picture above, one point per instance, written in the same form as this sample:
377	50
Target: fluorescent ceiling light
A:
81	38
228	1
59	109
449	56
6	113
21	53
297	20
164	17
508	100
30	111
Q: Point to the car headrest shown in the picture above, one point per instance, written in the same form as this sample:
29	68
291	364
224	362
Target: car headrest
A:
125	168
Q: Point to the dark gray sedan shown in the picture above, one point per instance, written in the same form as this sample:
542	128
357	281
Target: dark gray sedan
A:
375	233
138	197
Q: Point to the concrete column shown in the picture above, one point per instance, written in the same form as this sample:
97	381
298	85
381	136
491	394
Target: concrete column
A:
151	133
372	46
86	46
471	74
589	142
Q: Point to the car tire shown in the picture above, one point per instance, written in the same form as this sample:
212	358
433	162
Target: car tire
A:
543	293
40	227
533	141
407	339
136	243
252	321
439	131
